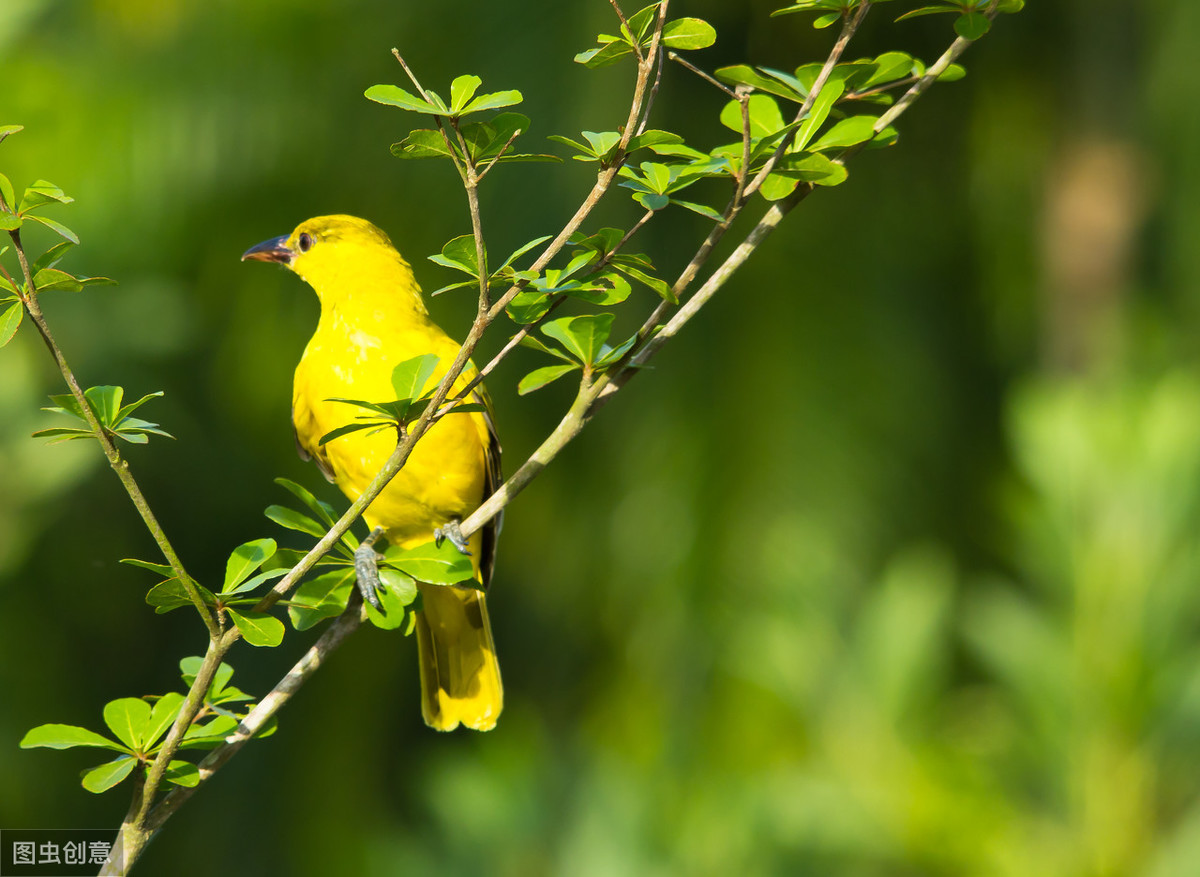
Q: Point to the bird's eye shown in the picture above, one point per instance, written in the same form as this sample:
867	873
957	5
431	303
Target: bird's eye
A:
305	242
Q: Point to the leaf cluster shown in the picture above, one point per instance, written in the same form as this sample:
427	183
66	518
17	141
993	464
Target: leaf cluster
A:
636	33
139	724
106	406
413	381
46	276
971	23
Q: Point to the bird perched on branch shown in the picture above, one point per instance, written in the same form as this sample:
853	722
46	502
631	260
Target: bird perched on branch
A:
372	318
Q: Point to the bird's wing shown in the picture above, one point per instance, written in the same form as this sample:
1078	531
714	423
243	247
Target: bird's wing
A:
317	456
493	478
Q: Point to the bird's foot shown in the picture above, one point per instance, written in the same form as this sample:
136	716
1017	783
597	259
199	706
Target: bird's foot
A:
366	569
453	532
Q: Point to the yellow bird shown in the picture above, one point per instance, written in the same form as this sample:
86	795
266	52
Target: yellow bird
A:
373	317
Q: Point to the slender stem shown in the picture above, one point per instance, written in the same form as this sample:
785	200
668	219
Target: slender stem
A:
118	464
591	395
348	622
551	307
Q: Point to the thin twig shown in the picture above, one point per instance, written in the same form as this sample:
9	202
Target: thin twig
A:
254	722
118	464
849	27
711	80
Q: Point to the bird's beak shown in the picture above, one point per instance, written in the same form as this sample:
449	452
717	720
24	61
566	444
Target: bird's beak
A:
274	250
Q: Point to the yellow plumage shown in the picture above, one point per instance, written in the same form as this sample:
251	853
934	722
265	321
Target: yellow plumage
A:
372	318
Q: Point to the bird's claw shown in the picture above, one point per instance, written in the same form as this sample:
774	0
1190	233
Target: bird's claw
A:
453	532
366	574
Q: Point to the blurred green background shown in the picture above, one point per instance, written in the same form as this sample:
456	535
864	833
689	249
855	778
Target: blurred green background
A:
889	567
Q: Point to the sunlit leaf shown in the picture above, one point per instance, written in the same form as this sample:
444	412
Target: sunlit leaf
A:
540	377
128	718
56	736
102	778
258	628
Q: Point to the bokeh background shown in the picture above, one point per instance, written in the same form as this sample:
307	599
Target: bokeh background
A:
888	567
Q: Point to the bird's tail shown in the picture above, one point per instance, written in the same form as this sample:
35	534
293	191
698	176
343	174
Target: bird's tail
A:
460	676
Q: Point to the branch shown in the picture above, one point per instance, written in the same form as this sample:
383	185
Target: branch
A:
138	826
115	461
254	722
849	27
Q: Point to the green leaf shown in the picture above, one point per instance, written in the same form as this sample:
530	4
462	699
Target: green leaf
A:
823	21
581	336
166	708
124	413
352	427
170	594
9	130
528	306
10	222
659	286
431	563
6	190
190	667
523	249
776	83
398	592
809	6
10	321
210	734
462	89
252	583
106	402
847	132
128	718
410	378
460	254
182	773
610	355
688	33
494	101
66	737
539	377
602	142
765	118
953	73
51	278
323	510
294	520
972	26
422	143
814	168
819	113
161	568
102	778
651	201
889	67
609	288
703	209
40	193
777	186
639	24
602	56
322	597
930	10
245	559
56	227
258	628
394	96
652	138
51	257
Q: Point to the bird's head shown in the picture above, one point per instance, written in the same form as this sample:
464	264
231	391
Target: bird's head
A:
335	253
